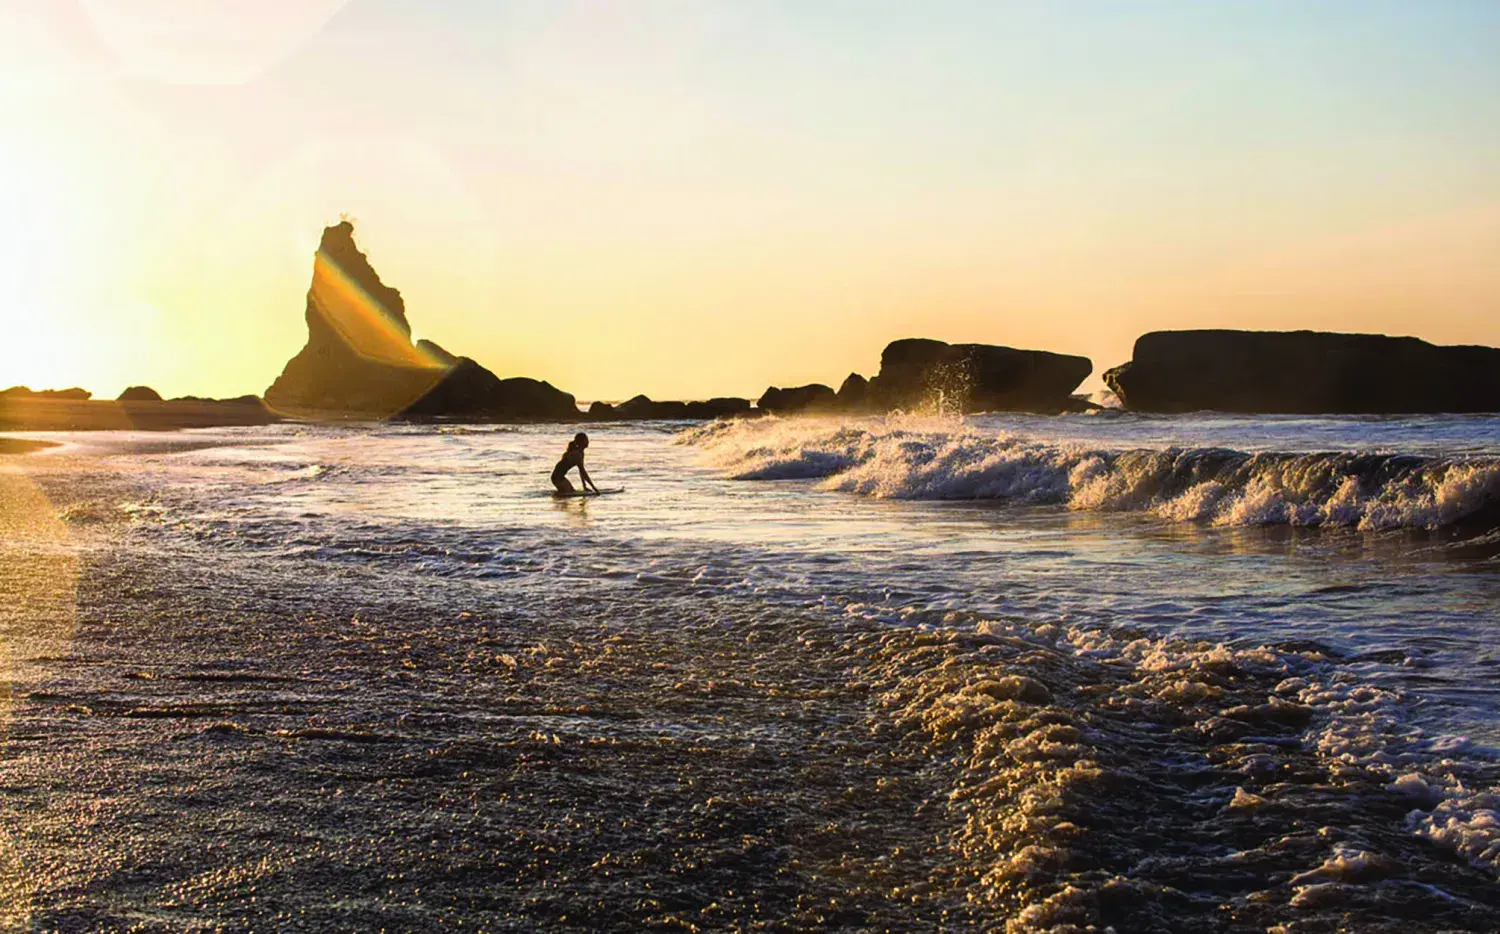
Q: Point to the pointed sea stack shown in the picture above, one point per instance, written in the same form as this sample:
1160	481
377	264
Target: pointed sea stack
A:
360	362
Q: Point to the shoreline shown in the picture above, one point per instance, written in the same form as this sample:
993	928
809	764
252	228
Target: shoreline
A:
32	414
24	445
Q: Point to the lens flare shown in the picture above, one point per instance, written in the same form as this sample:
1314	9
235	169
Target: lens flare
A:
364	323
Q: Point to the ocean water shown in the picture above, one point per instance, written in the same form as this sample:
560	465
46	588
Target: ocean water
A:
1005	672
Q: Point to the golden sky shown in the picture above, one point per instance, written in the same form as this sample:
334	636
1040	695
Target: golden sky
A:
701	198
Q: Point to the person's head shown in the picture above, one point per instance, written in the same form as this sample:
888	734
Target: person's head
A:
580	441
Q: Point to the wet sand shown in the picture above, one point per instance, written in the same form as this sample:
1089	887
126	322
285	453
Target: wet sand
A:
205	745
195	740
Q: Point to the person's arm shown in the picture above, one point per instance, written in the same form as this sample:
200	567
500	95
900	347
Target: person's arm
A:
583	475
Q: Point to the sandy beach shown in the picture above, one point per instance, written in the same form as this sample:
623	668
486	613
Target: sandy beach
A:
321	680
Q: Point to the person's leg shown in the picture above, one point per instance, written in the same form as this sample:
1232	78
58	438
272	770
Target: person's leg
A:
562	484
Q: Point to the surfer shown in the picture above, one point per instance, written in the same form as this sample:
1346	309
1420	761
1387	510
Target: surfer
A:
572	457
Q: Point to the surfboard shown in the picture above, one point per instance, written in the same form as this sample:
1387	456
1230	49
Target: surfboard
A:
581	493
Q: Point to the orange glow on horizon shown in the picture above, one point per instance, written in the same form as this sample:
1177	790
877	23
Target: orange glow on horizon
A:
687	201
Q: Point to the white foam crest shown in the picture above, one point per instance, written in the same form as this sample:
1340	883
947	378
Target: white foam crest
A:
904	457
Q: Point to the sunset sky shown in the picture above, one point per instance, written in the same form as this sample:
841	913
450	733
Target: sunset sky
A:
696	198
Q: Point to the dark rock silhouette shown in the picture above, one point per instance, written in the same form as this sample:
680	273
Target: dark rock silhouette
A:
719	407
814	397
436	353
75	412
22	392
1304	372
359	360
254	401
920	373
642	408
469	389
853	394
140	394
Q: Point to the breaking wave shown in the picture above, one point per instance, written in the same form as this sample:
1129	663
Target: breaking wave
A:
901	458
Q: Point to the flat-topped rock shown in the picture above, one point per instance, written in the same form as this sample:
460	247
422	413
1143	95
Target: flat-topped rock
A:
643	408
918	373
1304	372
814	397
23	392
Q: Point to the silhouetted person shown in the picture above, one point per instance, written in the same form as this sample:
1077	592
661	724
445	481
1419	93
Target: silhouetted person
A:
573	457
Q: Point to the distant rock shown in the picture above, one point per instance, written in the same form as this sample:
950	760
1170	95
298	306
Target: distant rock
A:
469	389
1304	372
643	408
719	407
140	394
359	360
237	400
917	373
22	392
25	410
814	397
853	394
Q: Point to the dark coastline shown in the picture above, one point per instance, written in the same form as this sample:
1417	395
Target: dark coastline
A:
41	414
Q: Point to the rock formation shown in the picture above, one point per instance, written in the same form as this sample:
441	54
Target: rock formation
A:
22	392
814	397
917	374
1304	372
242	401
641	408
436	353
853	394
469	389
140	394
719	407
359	360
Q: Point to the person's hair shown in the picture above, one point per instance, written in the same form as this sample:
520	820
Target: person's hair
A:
580	440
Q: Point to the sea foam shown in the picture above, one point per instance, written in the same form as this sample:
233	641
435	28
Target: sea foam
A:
933	459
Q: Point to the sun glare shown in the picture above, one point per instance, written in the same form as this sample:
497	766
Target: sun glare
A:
31	267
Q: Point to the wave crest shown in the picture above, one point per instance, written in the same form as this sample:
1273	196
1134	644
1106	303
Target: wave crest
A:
929	459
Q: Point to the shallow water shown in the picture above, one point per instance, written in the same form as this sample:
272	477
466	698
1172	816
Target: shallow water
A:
1174	673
